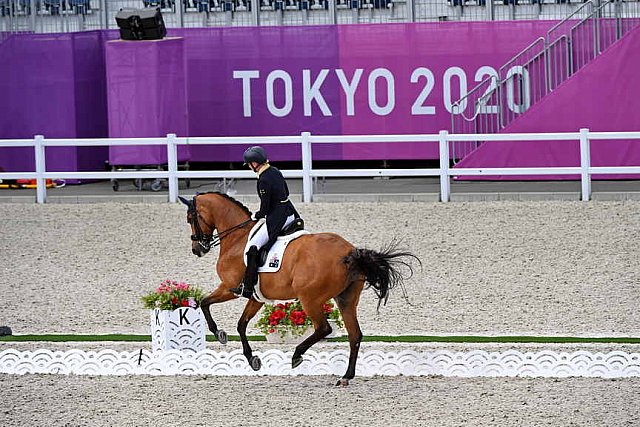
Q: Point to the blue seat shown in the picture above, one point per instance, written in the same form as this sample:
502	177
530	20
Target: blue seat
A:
53	6
26	5
203	5
80	6
162	4
381	4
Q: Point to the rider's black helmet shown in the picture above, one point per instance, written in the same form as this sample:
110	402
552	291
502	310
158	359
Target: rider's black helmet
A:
255	154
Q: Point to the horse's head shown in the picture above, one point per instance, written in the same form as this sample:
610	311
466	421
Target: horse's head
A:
201	229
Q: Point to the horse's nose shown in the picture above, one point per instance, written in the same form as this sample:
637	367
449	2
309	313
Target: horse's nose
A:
196	251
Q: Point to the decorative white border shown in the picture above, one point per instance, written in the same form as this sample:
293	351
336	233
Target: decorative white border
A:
476	363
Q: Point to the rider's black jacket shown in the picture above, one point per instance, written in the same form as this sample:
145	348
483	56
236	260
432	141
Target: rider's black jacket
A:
274	202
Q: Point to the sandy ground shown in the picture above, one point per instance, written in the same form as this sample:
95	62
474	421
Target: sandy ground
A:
538	268
313	401
541	268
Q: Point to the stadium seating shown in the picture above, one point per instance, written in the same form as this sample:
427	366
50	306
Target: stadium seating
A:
16	15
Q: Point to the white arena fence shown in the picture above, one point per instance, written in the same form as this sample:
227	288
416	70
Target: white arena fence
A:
305	140
474	363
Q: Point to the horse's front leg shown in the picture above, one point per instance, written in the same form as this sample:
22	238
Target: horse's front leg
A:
220	294
250	310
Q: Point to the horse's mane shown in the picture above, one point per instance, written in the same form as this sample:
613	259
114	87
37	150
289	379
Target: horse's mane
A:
231	199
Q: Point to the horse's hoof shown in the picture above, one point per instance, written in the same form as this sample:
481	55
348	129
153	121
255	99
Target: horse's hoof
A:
342	382
221	336
255	363
296	361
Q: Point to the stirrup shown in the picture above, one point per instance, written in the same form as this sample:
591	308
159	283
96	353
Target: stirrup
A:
242	291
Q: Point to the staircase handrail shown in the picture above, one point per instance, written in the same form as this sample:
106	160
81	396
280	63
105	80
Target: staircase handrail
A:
547	42
596	11
456	105
595	14
521	53
590	3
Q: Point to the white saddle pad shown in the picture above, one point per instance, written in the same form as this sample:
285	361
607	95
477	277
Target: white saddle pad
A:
276	253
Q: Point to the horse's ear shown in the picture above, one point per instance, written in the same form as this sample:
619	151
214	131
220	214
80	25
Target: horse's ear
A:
183	200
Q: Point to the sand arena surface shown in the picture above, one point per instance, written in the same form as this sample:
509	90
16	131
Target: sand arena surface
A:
540	268
313	401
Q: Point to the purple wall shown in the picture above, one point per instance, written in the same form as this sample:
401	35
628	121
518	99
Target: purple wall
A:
387	65
146	93
53	84
245	81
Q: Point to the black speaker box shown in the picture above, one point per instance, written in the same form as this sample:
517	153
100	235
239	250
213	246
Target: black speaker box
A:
141	24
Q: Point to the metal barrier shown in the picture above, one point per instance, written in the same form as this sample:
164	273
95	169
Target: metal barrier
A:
47	16
540	68
307	173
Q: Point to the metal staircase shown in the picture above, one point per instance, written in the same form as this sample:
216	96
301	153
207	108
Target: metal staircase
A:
540	68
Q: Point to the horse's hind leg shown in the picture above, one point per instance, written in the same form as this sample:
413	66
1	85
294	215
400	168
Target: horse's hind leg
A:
321	326
250	310
220	294
348	305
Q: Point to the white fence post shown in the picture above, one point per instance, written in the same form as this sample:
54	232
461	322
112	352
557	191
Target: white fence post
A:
307	185
41	168
172	166
445	188
585	164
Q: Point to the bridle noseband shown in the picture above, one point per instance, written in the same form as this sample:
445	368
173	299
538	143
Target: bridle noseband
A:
207	240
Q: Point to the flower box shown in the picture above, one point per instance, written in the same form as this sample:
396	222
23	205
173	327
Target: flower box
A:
287	323
176	321
179	329
283	335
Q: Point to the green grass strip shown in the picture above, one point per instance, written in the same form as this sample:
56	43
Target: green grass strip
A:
369	338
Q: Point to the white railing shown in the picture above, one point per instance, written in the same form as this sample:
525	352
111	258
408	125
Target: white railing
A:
307	173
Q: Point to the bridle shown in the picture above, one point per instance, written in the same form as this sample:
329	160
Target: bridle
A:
207	240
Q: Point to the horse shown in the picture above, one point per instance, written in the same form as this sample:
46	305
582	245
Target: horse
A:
316	268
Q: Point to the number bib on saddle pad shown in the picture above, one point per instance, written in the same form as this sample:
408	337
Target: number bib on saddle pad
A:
276	253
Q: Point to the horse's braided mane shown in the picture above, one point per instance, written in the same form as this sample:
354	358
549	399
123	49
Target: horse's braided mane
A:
231	199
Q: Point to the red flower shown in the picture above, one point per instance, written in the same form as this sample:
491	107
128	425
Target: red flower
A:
185	303
298	317
327	308
174	300
276	316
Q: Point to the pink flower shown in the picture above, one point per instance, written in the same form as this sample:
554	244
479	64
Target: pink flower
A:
182	286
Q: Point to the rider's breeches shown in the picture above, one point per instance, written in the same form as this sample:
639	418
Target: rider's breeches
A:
262	238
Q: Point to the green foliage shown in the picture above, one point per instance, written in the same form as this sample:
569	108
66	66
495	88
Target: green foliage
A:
290	316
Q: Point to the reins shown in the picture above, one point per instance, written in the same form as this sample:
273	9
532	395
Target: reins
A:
213	239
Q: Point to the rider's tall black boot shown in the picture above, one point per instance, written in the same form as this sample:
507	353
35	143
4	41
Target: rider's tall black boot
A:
250	275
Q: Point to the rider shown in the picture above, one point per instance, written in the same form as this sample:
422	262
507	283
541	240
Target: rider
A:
275	206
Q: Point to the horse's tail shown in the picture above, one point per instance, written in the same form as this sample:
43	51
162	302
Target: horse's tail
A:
381	270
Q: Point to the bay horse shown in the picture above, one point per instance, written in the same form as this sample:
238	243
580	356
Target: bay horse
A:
316	268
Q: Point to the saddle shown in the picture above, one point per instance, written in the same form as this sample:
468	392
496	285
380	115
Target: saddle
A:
271	260
294	227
